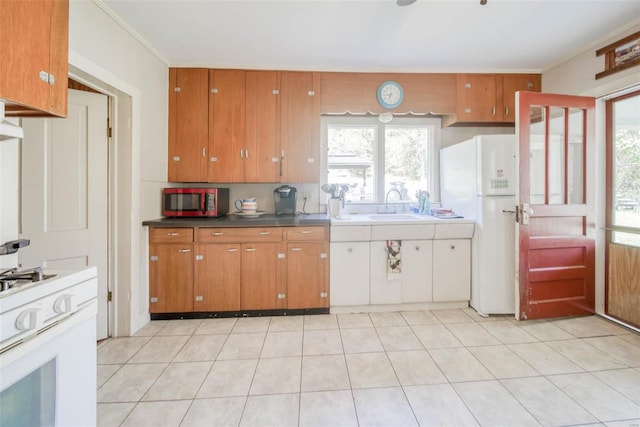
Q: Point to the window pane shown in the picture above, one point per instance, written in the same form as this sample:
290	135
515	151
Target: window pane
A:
556	156
537	157
575	174
406	161
626	162
351	160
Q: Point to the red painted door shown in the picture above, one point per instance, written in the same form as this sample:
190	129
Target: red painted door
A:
556	248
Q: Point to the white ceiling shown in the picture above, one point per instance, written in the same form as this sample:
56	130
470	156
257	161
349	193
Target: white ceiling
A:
373	35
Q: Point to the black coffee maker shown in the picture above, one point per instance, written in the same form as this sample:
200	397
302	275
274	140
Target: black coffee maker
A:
284	200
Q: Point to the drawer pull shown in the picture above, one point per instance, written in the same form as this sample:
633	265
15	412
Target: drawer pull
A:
264	233
250	250
173	234
184	251
232	250
306	232
296	249
217	233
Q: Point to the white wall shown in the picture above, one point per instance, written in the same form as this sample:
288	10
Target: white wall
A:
101	48
577	77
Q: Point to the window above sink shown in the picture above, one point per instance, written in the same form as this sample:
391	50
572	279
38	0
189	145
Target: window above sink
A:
374	157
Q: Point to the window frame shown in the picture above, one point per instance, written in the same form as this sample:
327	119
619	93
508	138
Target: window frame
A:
434	123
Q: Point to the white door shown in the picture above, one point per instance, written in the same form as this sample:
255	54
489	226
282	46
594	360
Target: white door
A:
64	192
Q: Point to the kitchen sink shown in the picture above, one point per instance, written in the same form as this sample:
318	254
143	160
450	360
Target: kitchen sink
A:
394	217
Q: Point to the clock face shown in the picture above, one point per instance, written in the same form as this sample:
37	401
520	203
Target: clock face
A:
390	94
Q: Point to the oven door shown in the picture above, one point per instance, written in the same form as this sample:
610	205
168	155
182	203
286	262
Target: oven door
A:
51	379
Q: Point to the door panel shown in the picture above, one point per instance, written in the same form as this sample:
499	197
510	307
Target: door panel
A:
556	250
64	191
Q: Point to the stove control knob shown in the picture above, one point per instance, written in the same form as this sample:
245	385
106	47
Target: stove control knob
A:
63	304
27	320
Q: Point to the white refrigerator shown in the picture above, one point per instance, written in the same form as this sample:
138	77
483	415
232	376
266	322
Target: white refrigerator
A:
478	181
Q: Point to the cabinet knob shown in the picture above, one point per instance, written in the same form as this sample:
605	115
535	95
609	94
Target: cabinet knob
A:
417	248
349	250
453	247
214	90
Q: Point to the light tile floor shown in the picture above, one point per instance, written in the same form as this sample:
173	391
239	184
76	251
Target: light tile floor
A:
428	368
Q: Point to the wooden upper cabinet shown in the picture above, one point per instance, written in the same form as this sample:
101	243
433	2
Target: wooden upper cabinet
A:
491	97
188	125
227	149
300	127
34	42
262	126
476	98
512	83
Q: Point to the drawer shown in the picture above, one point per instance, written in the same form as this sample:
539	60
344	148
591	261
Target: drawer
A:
239	235
170	235
351	233
305	233
454	231
403	232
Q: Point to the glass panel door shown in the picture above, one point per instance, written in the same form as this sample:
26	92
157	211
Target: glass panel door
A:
622	295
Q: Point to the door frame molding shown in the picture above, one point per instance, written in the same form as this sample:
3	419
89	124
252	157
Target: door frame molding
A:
124	183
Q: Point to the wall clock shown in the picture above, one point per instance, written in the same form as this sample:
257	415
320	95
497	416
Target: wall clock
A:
390	94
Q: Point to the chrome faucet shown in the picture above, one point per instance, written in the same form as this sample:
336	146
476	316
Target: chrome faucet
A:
386	199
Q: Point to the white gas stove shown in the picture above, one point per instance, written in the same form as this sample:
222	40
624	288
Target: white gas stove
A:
48	346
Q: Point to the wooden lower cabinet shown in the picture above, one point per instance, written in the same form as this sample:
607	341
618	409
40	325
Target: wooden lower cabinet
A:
307	274
263	284
217	277
171	277
237	269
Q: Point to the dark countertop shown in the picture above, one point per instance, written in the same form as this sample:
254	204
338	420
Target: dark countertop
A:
266	220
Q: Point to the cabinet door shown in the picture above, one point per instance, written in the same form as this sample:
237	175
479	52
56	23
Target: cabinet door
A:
512	83
262	276
300	127
476	98
226	125
385	288
452	270
170	278
349	273
307	268
59	58
28	31
262	127
217	277
417	270
188	126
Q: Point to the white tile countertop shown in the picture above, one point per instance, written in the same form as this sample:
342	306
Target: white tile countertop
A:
395	218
